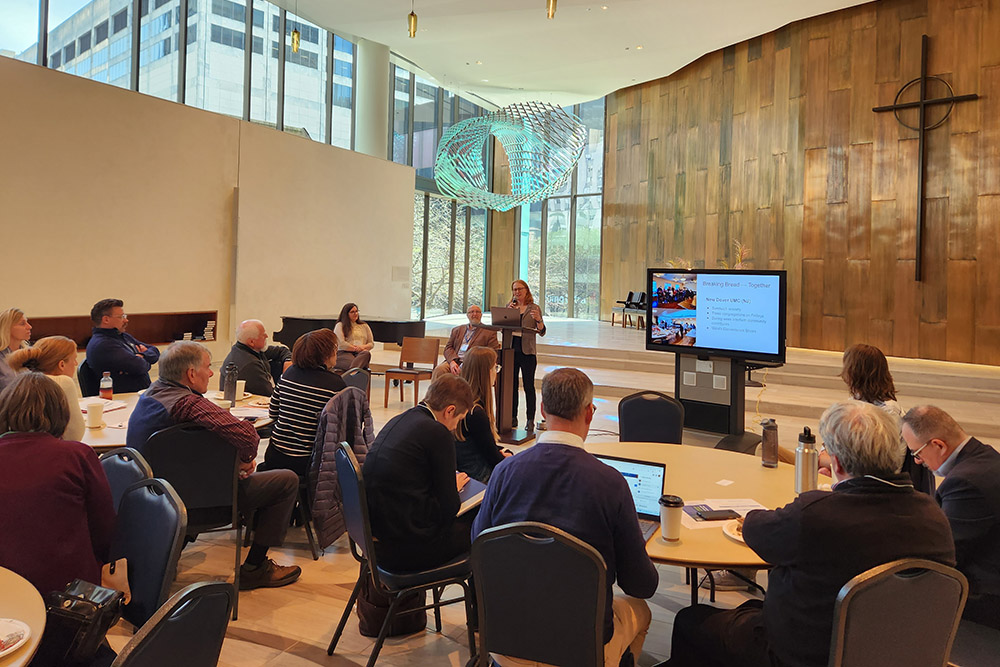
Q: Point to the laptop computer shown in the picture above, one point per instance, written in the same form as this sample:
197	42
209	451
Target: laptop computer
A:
645	480
505	317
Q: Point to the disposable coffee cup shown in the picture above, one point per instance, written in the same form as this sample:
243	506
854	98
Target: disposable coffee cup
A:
670	517
241	387
95	415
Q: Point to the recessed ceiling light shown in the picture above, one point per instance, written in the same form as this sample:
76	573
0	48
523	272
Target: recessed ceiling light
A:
479	62
486	80
639	48
604	6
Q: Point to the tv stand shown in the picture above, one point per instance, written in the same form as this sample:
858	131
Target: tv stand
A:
712	392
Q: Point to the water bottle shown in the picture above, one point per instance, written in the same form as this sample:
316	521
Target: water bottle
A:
769	444
107	386
229	374
806	462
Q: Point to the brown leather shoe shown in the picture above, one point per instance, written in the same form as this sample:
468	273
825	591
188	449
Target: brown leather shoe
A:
268	575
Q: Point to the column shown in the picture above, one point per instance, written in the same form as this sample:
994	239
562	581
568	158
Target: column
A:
371	121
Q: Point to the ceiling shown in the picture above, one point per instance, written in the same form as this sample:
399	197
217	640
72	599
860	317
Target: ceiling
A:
507	51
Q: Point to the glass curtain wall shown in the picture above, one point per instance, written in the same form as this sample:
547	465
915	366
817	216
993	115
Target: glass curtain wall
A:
94	39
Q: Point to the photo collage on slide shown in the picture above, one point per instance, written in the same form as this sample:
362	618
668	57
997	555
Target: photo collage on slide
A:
674	301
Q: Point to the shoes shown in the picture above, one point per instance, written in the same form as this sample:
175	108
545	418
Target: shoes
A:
727	581
530	426
267	575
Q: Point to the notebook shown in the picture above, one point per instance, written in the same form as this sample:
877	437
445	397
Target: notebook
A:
471	495
645	480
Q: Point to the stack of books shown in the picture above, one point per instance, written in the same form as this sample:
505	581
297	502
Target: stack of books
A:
210	330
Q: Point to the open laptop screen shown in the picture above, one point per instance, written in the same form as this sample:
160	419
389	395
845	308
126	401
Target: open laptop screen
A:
645	480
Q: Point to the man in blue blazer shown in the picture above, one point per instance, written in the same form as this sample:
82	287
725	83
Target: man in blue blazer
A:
970	497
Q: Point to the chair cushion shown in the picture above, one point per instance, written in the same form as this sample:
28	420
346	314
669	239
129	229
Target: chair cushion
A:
410	372
457	568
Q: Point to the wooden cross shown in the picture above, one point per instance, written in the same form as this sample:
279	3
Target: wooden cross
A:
922	103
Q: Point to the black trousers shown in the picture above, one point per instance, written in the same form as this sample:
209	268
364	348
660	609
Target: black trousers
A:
418	555
705	636
524	364
275	460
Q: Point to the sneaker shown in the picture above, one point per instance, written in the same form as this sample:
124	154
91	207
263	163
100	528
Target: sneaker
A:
727	581
267	575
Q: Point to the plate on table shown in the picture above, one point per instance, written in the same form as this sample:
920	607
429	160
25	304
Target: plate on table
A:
260	402
221	395
13	635
734	530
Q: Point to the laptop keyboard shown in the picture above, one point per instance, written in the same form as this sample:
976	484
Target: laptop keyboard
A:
648	527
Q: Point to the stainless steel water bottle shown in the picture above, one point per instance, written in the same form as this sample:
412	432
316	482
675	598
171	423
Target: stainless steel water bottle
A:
806	462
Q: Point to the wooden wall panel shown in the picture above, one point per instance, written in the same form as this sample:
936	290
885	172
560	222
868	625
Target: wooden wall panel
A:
772	142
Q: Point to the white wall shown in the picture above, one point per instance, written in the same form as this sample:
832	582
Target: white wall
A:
105	192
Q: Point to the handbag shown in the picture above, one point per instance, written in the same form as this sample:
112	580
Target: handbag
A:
77	620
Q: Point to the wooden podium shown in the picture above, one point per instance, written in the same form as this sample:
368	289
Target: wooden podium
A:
505	387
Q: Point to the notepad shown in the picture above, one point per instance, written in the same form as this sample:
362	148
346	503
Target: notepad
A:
471	495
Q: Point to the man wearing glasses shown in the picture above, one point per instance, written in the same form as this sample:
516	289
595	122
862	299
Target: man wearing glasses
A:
970	497
463	338
112	350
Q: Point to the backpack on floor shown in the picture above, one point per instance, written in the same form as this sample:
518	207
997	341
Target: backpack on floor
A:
374	605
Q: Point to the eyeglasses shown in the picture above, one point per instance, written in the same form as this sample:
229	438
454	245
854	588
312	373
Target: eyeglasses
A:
915	453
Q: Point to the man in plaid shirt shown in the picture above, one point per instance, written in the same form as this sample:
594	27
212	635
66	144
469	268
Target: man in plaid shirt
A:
176	398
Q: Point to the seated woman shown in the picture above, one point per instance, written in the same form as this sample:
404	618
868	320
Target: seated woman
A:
56	357
57	519
15	332
298	400
355	339
476	451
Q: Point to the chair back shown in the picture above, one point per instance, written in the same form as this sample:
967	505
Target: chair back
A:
188	630
124	467
744	443
357	377
640	301
628	299
419	351
203	469
90	383
650	416
352	489
541	595
149	533
902	613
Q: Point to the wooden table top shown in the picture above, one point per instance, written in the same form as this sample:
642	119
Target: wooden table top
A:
116	423
693	473
21	601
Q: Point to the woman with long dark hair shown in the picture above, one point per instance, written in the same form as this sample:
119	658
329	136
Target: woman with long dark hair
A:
476	451
525	359
355	339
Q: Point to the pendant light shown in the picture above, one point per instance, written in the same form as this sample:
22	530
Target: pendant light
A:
550	8
296	35
411	22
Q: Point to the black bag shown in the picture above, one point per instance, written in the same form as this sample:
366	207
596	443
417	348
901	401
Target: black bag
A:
373	607
76	622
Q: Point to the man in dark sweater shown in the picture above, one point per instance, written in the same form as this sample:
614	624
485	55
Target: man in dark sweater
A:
558	483
970	498
817	543
112	350
260	364
411	483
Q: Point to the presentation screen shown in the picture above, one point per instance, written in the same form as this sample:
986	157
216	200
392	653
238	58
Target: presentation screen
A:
737	314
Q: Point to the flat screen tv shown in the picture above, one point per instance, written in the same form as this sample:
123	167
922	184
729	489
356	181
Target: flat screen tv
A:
717	312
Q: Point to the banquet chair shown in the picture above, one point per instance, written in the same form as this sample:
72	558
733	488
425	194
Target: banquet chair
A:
90	383
187	630
901	613
124	467
360	378
415	351
975	644
541	595
149	534
650	416
208	489
394	585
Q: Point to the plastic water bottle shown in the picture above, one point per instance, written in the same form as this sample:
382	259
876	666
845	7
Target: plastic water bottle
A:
107	386
229	383
769	444
806	462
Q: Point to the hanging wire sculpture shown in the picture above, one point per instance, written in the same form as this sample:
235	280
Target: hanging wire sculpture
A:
542	141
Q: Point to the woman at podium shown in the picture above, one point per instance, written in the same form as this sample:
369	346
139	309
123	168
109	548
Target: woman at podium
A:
525	359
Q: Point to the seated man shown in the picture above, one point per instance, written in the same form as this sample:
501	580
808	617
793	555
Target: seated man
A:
260	364
112	350
817	543
412	485
970	498
557	482
463	338
176	398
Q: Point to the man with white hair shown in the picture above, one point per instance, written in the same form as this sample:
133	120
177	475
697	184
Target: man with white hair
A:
462	339
817	543
260	364
970	497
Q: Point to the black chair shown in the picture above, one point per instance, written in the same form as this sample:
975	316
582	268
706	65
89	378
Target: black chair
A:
124	467
188	630
149	534
541	595
90	382
204	470
621	308
650	416
394	585
744	443
902	613
357	377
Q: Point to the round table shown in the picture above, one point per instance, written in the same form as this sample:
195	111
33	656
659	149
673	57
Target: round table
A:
694	473
22	601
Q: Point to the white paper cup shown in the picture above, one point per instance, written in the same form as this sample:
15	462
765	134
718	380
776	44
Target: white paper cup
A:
670	518
241	387
95	415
